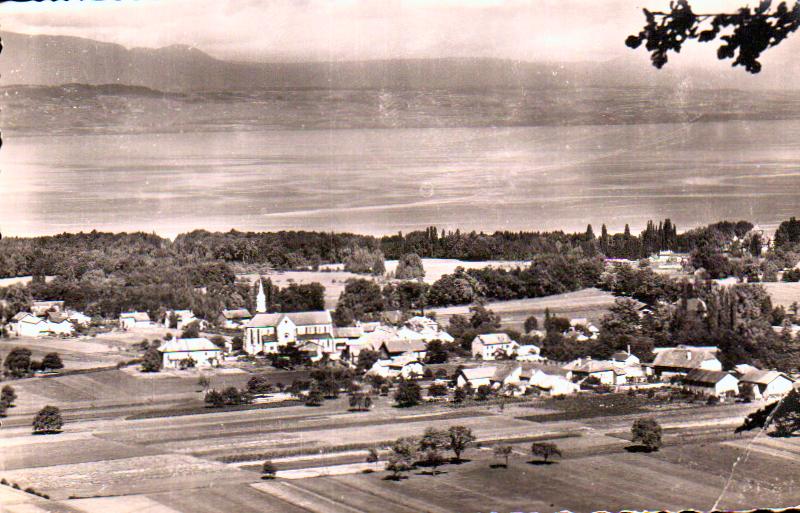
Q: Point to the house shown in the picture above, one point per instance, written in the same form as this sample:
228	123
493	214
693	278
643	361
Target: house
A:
397	348
508	379
476	377
711	383
267	332
428	329
26	324
58	323
234	319
183	318
528	353
767	384
629	363
179	352
79	318
583	329
39	308
406	368
135	320
548	384
671	361
490	345
605	371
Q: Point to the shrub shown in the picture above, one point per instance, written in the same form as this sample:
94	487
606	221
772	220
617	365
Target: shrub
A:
48	421
408	394
268	470
648	432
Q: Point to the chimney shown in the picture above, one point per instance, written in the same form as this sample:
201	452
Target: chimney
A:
688	355
629	349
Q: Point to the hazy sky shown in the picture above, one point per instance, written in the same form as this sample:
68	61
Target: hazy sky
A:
560	30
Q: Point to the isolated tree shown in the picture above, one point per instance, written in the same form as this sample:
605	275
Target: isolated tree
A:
504	452
52	361
745	33
647	432
460	395
3	409
8	395
401	458
408	394
461	438
545	450
409	267
219	341
152	360
360	401
434	459
48	421
18	361
531	323
268	470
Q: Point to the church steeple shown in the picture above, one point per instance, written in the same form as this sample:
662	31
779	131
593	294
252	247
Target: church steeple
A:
261	298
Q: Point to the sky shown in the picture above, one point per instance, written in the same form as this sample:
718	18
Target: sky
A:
314	30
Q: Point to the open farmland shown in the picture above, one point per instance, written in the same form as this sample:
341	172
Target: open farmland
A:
590	303
783	293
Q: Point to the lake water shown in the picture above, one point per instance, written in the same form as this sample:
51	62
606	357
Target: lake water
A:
384	180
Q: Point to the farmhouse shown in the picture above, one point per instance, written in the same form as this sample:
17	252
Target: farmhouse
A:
508	379
629	363
711	383
528	353
548	384
182	318
490	345
268	332
40	308
79	318
135	320
671	361
405	348
58	323
25	324
234	319
407	368
582	329
180	353
767	384
427	329
605	371
475	377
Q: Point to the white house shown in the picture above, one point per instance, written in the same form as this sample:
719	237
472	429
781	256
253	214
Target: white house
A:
404	348
407	368
268	332
671	361
490	345
767	384
476	377
177	352
604	370
25	324
549	384
184	318
135	320
234	319
508	379
428	329
528	353
711	383
79	318
583	329
629	363
58	323
40	308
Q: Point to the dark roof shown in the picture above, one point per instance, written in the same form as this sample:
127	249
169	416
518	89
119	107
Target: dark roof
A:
404	346
682	357
762	377
705	377
241	313
620	356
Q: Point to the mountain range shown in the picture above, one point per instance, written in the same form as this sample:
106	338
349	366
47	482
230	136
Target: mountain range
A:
54	60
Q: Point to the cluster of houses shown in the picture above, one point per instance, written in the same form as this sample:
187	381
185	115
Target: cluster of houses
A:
47	318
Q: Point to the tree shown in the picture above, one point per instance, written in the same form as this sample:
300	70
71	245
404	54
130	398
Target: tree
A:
191	330
545	450
48	421
401	458
361	299
18	362
437	439
748	31
647	432
214	399
203	382
366	359
8	395
783	416
52	361
372	455
503	451
315	397
268	470
409	267
218	340
152	360
437	353
408	394
531	323
437	390
360	401
461	438
232	396
434	459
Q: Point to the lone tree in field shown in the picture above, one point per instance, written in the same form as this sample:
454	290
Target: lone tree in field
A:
461	438
545	450
52	361
18	362
268	470
504	452
402	457
8	395
408	394
647	432
409	267
48	421
152	361
745	33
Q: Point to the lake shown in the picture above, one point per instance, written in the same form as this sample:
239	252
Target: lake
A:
384	180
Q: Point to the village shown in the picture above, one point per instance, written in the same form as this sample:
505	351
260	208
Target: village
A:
289	405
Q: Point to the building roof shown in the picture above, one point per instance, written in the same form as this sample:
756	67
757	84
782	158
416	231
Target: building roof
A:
240	313
348	332
20	315
298	318
43	303
493	339
31	319
479	373
705	377
180	314
590	366
136	316
683	357
184	345
762	377
57	317
621	356
503	372
404	346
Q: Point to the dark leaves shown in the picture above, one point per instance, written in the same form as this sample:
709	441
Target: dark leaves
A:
751	31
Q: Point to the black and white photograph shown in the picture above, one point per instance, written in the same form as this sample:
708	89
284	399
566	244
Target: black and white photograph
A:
399	256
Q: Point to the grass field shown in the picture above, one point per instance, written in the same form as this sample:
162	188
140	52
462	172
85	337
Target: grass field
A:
783	294
589	303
